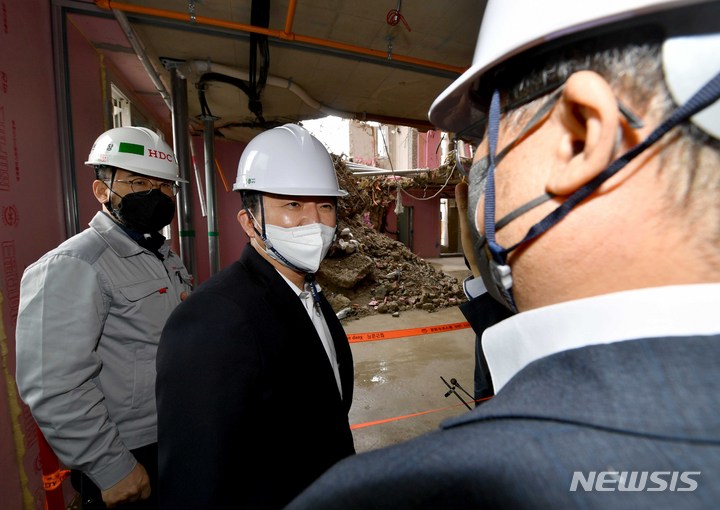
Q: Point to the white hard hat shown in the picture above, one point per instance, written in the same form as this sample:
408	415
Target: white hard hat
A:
287	160
516	27
136	149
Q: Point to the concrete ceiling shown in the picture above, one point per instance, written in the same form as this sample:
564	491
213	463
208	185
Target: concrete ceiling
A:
353	58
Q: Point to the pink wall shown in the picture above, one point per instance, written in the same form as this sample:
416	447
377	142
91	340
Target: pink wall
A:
232	238
429	156
426	223
32	219
87	116
426	213
32	206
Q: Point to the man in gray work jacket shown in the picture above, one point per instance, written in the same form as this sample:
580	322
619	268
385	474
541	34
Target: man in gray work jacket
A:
90	316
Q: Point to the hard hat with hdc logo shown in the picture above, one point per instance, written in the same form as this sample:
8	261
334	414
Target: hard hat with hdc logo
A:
135	149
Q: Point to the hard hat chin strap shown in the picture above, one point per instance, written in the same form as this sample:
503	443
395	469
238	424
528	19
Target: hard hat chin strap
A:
499	270
109	204
263	235
263	231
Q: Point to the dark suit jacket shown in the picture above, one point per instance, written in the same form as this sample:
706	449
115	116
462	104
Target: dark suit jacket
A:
249	412
639	406
483	312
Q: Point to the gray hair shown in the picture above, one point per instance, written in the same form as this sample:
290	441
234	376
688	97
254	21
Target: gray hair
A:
634	71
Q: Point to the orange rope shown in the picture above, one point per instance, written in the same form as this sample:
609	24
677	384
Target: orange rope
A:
400	333
54	480
403	417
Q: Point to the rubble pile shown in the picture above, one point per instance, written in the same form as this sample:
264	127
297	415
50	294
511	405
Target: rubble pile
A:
366	272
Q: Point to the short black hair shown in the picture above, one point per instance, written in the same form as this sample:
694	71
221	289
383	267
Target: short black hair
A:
251	200
105	172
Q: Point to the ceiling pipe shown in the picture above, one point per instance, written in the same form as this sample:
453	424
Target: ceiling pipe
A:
182	145
186	233
390	173
211	195
154	76
285	34
200	67
360	170
139	49
142	56
290	18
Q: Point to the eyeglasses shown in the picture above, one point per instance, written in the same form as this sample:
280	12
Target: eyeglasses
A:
145	186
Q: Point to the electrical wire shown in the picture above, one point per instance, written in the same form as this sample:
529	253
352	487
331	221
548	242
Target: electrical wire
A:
436	194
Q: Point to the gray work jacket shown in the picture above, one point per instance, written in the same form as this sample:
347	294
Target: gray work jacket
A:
89	321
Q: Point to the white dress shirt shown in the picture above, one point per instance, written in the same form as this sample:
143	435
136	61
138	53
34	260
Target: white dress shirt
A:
318	320
680	310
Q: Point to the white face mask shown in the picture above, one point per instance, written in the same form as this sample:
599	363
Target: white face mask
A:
303	247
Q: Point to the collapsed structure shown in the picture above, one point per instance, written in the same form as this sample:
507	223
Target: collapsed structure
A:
367	272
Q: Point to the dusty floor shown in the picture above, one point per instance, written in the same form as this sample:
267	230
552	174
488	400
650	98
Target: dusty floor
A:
395	378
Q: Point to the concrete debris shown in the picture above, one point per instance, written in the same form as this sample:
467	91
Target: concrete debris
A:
366	272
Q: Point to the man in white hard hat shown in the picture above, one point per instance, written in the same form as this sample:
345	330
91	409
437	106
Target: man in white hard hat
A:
255	373
594	196
89	321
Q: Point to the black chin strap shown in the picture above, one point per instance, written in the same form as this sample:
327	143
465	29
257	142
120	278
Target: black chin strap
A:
268	244
109	205
310	280
706	96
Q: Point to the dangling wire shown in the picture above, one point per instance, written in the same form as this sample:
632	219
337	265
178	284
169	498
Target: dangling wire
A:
394	17
450	174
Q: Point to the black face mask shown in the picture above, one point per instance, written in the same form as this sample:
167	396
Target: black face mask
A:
145	212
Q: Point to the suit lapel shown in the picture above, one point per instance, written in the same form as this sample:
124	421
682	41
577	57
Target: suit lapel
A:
279	295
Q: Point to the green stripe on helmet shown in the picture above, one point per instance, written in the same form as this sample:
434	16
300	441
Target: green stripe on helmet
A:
131	148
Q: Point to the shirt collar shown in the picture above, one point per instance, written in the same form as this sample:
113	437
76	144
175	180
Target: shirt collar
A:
301	293
681	310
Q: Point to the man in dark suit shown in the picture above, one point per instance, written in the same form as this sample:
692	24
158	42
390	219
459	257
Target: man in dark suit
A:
255	374
594	196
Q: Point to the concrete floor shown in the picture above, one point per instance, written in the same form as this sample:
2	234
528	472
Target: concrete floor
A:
398	377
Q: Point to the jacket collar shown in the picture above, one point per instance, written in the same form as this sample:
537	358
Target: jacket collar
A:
117	239
677	310
279	292
663	387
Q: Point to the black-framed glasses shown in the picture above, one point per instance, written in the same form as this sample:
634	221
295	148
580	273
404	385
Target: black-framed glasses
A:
144	186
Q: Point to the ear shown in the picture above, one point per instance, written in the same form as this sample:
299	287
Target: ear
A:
101	191
246	223
590	122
